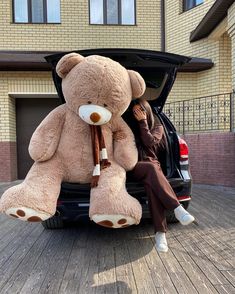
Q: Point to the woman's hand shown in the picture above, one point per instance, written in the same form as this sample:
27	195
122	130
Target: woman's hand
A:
138	112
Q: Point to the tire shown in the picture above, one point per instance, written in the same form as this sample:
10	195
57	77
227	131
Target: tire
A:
53	223
170	217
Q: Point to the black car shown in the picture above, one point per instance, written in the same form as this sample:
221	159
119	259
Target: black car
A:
159	72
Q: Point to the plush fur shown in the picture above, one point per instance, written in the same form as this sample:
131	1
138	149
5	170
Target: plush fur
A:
62	150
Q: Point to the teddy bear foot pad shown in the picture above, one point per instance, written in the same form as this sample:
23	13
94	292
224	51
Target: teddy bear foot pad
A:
27	214
113	221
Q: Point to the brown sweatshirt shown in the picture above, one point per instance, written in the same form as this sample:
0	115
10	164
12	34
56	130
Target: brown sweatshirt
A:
150	141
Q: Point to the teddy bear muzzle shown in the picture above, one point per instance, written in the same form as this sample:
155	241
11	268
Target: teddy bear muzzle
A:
94	114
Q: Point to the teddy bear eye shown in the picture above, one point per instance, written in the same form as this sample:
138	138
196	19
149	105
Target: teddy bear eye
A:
88	102
105	105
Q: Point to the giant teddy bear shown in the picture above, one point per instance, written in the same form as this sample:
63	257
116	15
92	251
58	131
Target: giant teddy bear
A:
84	140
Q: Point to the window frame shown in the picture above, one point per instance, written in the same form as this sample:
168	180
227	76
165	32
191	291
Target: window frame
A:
105	14
195	5
29	8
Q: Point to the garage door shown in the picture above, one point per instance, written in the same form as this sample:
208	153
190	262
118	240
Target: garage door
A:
29	114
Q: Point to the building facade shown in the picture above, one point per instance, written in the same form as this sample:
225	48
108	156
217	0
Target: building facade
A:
32	29
216	45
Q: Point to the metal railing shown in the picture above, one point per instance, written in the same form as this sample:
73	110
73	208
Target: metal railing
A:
204	114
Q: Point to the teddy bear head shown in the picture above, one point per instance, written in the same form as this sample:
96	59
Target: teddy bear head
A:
96	87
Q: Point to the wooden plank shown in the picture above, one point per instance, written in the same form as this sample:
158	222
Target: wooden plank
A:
84	250
204	244
231	261
150	273
214	234
198	278
191	269
88	282
173	270
212	273
76	262
207	248
9	229
19	234
207	216
20	275
106	265
14	260
218	208
126	280
230	276
225	289
38	274
179	278
176	247
124	274
56	269
140	269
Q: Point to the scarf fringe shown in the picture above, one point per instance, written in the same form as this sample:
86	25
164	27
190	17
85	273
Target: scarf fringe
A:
100	154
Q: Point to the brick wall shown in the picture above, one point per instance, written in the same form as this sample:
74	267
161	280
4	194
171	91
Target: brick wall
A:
212	158
75	32
8	161
179	26
16	82
231	31
19	82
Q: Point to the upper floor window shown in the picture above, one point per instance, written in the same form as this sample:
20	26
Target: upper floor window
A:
36	11
112	12
188	4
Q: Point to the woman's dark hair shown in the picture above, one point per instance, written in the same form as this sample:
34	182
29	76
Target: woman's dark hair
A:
152	119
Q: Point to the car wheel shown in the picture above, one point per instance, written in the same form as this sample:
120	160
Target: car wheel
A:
53	223
170	216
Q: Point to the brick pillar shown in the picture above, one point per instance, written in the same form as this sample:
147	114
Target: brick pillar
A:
8	161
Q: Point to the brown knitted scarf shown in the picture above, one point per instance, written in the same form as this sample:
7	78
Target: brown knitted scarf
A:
99	154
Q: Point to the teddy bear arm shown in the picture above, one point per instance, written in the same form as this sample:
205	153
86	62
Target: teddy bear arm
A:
125	151
45	139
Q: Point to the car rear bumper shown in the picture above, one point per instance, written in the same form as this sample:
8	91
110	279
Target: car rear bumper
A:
73	202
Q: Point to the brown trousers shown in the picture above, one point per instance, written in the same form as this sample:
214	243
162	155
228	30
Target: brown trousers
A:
159	191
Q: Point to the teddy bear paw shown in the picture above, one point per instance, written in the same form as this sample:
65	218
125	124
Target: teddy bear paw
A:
27	214
114	221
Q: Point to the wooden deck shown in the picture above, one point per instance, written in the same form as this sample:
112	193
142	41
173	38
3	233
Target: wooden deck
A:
90	259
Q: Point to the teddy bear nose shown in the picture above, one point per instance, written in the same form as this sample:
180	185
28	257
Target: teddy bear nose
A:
95	117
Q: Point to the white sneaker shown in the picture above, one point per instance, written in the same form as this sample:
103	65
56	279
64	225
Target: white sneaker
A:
161	243
183	216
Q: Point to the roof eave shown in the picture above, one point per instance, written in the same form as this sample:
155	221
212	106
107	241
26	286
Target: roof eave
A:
34	61
210	21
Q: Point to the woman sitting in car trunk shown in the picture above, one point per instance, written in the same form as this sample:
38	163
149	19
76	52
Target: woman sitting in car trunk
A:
150	138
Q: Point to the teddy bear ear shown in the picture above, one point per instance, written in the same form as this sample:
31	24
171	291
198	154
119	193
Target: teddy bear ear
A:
67	62
137	84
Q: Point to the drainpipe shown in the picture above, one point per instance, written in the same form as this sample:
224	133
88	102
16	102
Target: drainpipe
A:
163	27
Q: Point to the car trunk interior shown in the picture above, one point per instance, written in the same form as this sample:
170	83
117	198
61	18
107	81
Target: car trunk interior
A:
165	155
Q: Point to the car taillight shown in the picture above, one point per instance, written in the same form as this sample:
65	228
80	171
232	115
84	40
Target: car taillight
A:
183	150
183	198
